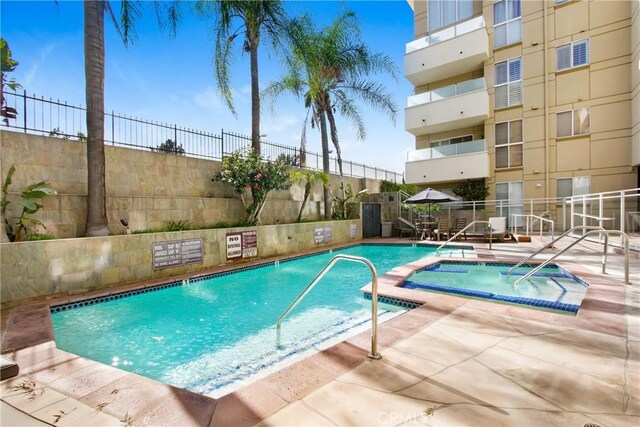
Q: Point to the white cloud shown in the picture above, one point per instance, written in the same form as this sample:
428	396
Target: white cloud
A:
42	56
209	98
279	123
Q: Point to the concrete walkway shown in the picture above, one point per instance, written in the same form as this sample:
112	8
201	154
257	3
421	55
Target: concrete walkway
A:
486	364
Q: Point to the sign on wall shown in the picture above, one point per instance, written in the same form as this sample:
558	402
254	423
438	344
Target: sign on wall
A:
353	231
322	235
242	244
176	252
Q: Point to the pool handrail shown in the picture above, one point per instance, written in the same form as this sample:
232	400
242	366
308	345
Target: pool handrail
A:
604	253
465	229
374	299
550	245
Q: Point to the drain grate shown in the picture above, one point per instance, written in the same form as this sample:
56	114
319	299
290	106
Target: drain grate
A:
591	425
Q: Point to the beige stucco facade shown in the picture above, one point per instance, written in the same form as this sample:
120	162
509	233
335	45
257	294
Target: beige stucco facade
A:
604	88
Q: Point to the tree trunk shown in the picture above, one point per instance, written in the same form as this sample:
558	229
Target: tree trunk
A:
325	159
255	94
307	191
334	138
94	59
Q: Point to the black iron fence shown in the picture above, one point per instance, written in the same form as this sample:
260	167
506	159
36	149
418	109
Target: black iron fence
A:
42	116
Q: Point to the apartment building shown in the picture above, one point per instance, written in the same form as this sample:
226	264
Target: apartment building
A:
539	98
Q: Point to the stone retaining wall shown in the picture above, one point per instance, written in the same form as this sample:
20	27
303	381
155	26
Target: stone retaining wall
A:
144	187
35	270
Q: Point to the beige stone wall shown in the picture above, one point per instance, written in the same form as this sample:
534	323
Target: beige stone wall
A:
70	266
144	187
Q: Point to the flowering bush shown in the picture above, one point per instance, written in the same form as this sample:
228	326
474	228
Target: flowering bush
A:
248	172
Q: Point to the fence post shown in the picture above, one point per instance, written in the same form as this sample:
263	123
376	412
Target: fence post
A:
622	213
24	109
113	128
175	134
222	144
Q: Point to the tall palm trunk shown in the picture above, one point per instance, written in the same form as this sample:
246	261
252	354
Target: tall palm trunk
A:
325	158
94	59
336	144
255	93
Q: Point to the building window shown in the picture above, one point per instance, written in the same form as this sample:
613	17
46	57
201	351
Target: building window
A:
509	83
446	12
567	187
574	122
509	201
560	1
509	144
572	55
507	23
450	141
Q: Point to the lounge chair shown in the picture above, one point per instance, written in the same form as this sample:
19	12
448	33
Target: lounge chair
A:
406	227
498	229
460	224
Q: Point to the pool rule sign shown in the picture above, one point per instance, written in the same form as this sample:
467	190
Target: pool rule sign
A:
176	252
242	245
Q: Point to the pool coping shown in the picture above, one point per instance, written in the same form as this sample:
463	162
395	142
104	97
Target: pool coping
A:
93	383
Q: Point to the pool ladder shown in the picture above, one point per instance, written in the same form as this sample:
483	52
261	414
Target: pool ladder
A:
590	229
374	299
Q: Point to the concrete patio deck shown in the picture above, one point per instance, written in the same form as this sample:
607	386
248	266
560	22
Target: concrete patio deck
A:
453	361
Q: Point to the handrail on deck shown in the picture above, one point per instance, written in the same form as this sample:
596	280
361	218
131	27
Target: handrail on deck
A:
529	223
465	229
374	299
571	230
604	253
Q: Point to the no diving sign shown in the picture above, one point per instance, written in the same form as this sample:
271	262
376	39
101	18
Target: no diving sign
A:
242	244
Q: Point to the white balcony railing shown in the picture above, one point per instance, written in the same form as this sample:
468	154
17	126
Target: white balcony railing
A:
447	92
477	146
446	34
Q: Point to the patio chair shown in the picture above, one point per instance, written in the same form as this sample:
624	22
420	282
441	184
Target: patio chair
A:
460	224
499	229
443	229
406	227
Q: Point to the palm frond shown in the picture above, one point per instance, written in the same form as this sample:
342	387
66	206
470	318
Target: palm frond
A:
130	12
373	94
349	110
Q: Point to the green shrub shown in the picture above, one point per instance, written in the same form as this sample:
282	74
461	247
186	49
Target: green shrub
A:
180	225
389	186
39	236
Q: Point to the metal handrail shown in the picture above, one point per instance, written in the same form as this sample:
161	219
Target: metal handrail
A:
529	223
465	229
604	254
374	299
577	227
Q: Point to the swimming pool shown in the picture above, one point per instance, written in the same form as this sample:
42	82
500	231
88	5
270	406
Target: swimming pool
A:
218	330
551	288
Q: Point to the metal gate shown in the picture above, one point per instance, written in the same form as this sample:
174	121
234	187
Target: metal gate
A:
371	225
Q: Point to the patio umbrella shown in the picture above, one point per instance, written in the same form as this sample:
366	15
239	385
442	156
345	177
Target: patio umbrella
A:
429	196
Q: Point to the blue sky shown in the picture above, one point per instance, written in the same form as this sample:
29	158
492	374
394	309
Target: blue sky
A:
171	79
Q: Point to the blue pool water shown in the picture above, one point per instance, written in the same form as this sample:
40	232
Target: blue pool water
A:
552	287
214	332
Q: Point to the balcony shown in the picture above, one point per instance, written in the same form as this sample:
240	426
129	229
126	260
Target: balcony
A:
450	52
451	107
467	160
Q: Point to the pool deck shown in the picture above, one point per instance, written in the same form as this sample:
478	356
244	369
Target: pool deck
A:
453	361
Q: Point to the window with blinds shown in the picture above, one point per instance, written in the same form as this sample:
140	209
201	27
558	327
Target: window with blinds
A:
573	122
508	83
577	186
507	23
509	144
572	55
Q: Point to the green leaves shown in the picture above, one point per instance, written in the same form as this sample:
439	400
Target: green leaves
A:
28	202
248	171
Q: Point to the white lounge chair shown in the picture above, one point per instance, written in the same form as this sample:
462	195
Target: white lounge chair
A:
498	228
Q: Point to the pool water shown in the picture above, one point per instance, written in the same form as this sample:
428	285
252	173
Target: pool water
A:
211	333
551	287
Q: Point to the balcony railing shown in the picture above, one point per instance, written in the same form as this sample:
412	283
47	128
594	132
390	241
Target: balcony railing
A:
477	146
447	92
446	34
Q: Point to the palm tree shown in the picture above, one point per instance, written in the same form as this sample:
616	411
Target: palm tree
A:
309	178
94	60
330	70
256	18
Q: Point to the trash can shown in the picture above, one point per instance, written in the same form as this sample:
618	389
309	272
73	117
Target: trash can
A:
386	229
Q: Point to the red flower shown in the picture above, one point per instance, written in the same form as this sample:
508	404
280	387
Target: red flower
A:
255	187
247	186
